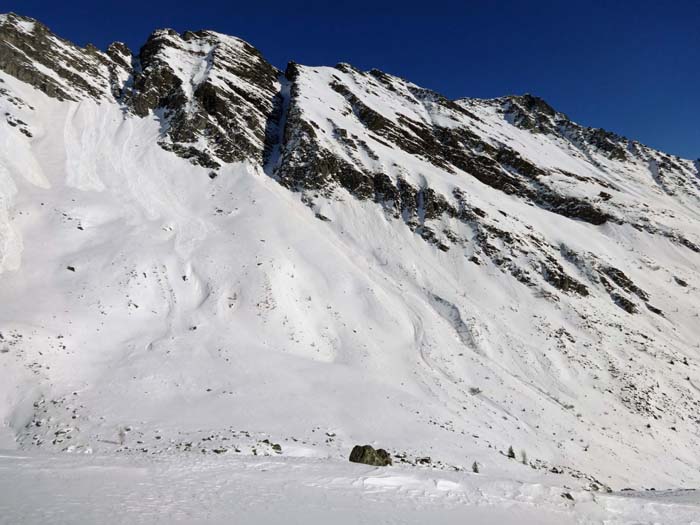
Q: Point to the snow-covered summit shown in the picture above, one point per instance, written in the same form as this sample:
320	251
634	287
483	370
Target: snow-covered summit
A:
199	252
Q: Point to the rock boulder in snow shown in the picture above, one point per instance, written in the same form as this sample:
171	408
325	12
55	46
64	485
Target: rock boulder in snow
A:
370	456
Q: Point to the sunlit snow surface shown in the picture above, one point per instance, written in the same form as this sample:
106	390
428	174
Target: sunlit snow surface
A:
195	489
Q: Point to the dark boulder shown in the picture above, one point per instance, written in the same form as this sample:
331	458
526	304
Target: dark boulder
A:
370	456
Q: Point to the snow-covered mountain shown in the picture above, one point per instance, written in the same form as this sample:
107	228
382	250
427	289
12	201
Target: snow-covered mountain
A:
201	252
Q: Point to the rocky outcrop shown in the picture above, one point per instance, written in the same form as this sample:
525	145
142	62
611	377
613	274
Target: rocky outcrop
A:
308	163
30	52
369	456
214	93
535	115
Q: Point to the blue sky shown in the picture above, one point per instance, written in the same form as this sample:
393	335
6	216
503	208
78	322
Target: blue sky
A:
632	67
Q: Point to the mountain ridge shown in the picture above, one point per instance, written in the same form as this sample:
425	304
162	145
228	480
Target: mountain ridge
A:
118	51
329	255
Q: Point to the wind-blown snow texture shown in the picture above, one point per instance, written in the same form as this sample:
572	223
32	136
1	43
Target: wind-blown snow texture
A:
199	252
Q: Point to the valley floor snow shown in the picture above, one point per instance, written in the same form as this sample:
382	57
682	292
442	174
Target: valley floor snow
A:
228	489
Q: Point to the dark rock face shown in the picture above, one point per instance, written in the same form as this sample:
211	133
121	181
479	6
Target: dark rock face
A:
655	310
215	93
306	165
680	282
369	456
614	281
28	48
535	115
624	303
624	282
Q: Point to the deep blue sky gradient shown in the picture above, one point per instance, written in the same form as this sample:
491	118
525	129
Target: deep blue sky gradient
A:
632	67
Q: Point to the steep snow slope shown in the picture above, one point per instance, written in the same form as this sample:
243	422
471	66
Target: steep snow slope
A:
444	278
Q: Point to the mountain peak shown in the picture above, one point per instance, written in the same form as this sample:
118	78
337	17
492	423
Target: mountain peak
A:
533	103
213	89
210	238
30	52
23	23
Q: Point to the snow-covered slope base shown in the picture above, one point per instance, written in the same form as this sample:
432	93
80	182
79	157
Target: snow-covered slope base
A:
196	489
359	261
